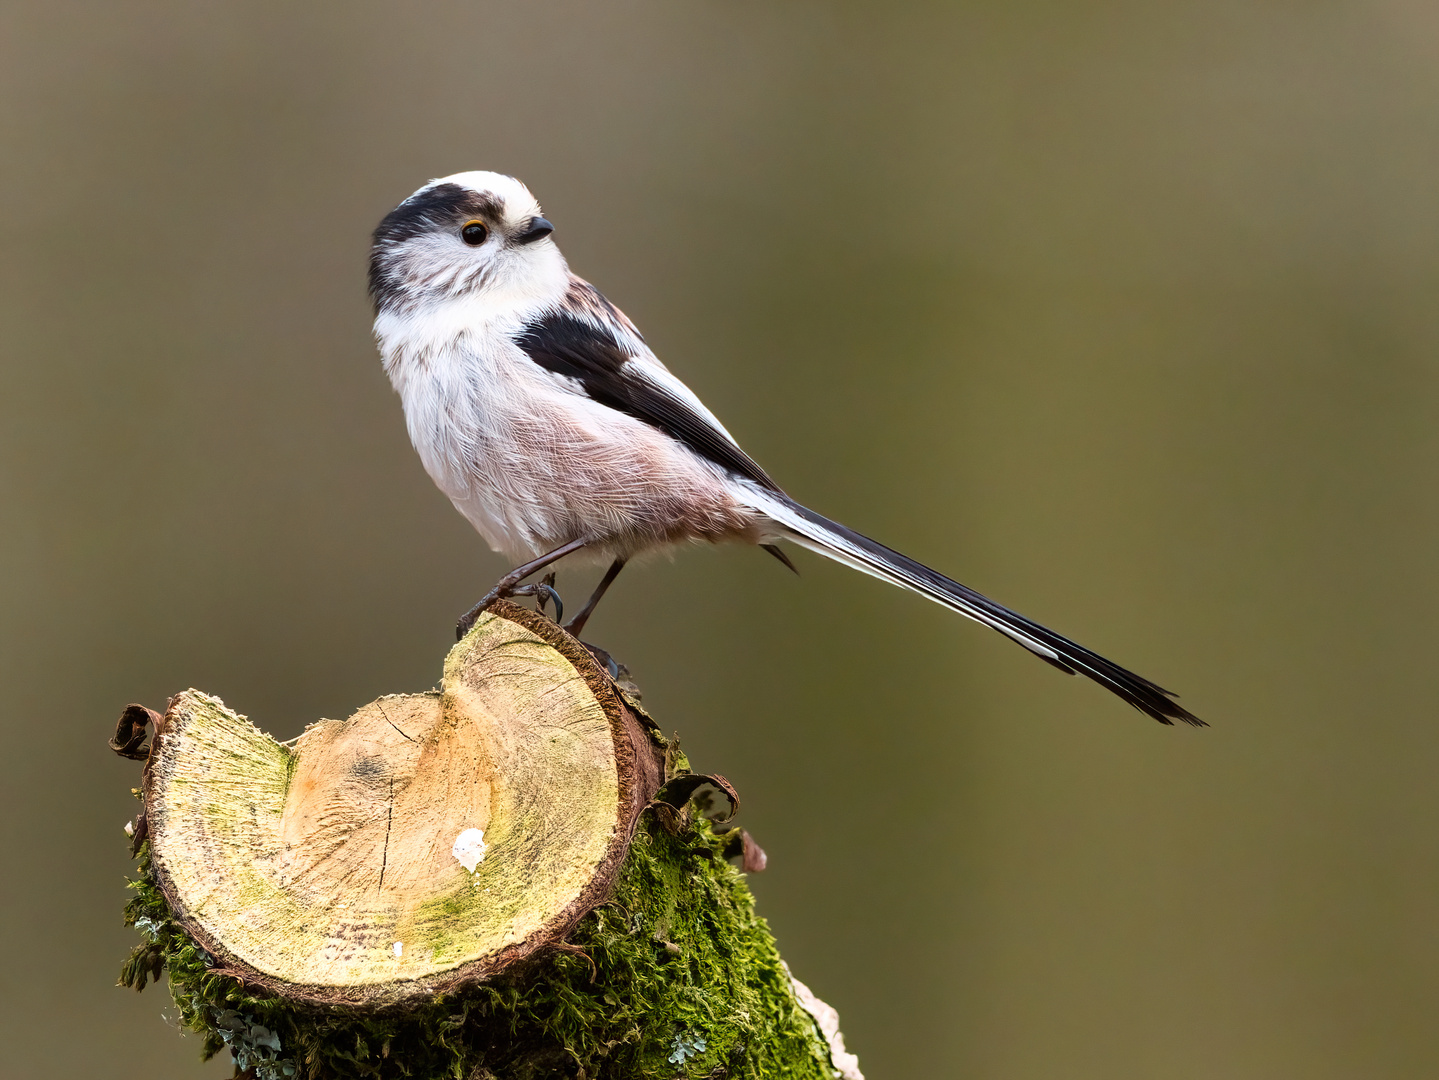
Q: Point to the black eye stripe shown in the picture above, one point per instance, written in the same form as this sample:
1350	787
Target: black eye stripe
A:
438	207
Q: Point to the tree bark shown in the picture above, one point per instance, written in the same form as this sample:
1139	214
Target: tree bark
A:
511	876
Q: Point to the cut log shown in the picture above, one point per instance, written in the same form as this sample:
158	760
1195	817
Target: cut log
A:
428	841
460	883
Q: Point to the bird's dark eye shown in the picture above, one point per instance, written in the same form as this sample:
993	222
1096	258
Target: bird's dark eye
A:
474	233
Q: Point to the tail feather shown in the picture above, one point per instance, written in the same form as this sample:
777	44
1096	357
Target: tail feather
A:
844	545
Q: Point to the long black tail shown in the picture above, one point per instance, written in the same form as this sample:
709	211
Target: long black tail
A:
835	541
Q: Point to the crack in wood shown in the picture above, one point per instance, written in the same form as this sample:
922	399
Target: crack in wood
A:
389	821
391	722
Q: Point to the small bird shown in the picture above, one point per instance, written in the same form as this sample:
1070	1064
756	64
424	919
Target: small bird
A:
537	407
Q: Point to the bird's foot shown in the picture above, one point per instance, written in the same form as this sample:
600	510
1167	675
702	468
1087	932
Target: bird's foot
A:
544	589
506	587
509	585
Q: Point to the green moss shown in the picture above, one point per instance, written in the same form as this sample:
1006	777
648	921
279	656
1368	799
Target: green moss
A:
687	982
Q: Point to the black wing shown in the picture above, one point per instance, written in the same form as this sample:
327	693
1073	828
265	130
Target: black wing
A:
593	356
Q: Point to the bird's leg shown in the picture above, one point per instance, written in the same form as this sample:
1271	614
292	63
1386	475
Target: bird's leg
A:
575	625
506	585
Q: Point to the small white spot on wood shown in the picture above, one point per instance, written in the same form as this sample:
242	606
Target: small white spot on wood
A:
399	948
469	848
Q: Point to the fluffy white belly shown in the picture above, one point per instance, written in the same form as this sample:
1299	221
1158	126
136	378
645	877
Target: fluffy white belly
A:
533	464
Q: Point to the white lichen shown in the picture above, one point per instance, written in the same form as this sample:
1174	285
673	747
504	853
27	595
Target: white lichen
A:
469	848
399	948
685	1047
255	1048
147	925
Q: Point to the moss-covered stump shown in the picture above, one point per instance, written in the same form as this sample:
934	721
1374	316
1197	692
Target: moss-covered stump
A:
504	878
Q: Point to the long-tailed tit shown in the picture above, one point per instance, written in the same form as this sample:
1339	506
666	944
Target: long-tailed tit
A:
539	410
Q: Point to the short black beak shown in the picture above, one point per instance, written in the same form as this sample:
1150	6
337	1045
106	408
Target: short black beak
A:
538	229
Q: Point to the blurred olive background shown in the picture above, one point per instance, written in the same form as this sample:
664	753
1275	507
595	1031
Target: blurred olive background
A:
1124	313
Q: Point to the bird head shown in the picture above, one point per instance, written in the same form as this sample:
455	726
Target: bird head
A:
473	234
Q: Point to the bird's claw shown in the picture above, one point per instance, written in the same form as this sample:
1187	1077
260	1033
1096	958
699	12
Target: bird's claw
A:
545	591
467	620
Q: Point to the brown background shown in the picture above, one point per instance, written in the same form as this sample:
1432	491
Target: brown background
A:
1122	312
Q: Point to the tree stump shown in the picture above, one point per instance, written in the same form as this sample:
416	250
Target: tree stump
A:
507	877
